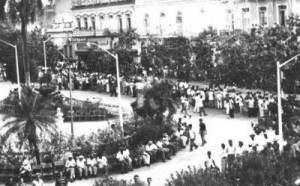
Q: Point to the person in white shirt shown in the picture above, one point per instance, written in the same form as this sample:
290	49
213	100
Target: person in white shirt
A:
102	162
197	103
240	149
25	169
209	162
151	149
38	181
192	138
201	106
211	98
70	167
219	100
128	158
231	150
82	168
164	152
122	157
92	165
250	102
223	158
237	100
261	106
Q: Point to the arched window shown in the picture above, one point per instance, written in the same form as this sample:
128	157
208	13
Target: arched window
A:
101	21
78	22
120	23
93	23
86	25
128	17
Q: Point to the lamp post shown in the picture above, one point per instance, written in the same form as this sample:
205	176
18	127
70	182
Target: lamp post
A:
70	88
45	55
115	56
280	130
17	66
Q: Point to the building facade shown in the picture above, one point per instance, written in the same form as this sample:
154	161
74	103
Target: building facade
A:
73	23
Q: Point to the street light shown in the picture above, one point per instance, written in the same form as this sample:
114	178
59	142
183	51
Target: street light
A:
71	104
118	81
44	46
17	66
280	131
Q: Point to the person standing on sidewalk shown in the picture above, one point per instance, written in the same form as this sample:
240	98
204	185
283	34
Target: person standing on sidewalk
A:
201	106
203	132
192	138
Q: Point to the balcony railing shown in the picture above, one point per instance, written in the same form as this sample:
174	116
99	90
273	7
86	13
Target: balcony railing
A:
92	3
60	27
90	32
84	33
50	8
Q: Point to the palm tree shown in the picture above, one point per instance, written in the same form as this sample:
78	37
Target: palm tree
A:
156	101
29	122
25	12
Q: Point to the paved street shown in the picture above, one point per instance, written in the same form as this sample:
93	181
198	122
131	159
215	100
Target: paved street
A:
219	127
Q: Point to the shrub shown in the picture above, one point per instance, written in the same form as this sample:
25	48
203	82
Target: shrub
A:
197	177
111	182
255	169
150	131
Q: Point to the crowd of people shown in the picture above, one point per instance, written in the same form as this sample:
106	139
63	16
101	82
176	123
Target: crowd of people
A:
251	103
100	82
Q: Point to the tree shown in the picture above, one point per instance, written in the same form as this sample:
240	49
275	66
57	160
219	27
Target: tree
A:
29	121
25	11
204	47
156	101
35	46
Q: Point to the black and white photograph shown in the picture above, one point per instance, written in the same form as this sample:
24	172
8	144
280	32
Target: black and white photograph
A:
150	92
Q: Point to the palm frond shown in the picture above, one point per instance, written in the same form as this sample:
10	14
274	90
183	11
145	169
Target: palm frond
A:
17	121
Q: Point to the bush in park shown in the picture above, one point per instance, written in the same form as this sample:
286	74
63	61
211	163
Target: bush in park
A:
197	177
255	169
112	182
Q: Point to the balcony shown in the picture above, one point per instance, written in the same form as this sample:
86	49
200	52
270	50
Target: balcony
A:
79	4
60	27
84	32
50	8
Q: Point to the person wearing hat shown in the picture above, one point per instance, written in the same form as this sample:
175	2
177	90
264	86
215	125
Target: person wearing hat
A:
70	167
82	168
38	181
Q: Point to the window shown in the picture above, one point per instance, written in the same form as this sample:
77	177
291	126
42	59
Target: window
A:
93	23
110	21
120	23
246	18
85	23
263	16
128	21
101	22
78	23
179	23
282	15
